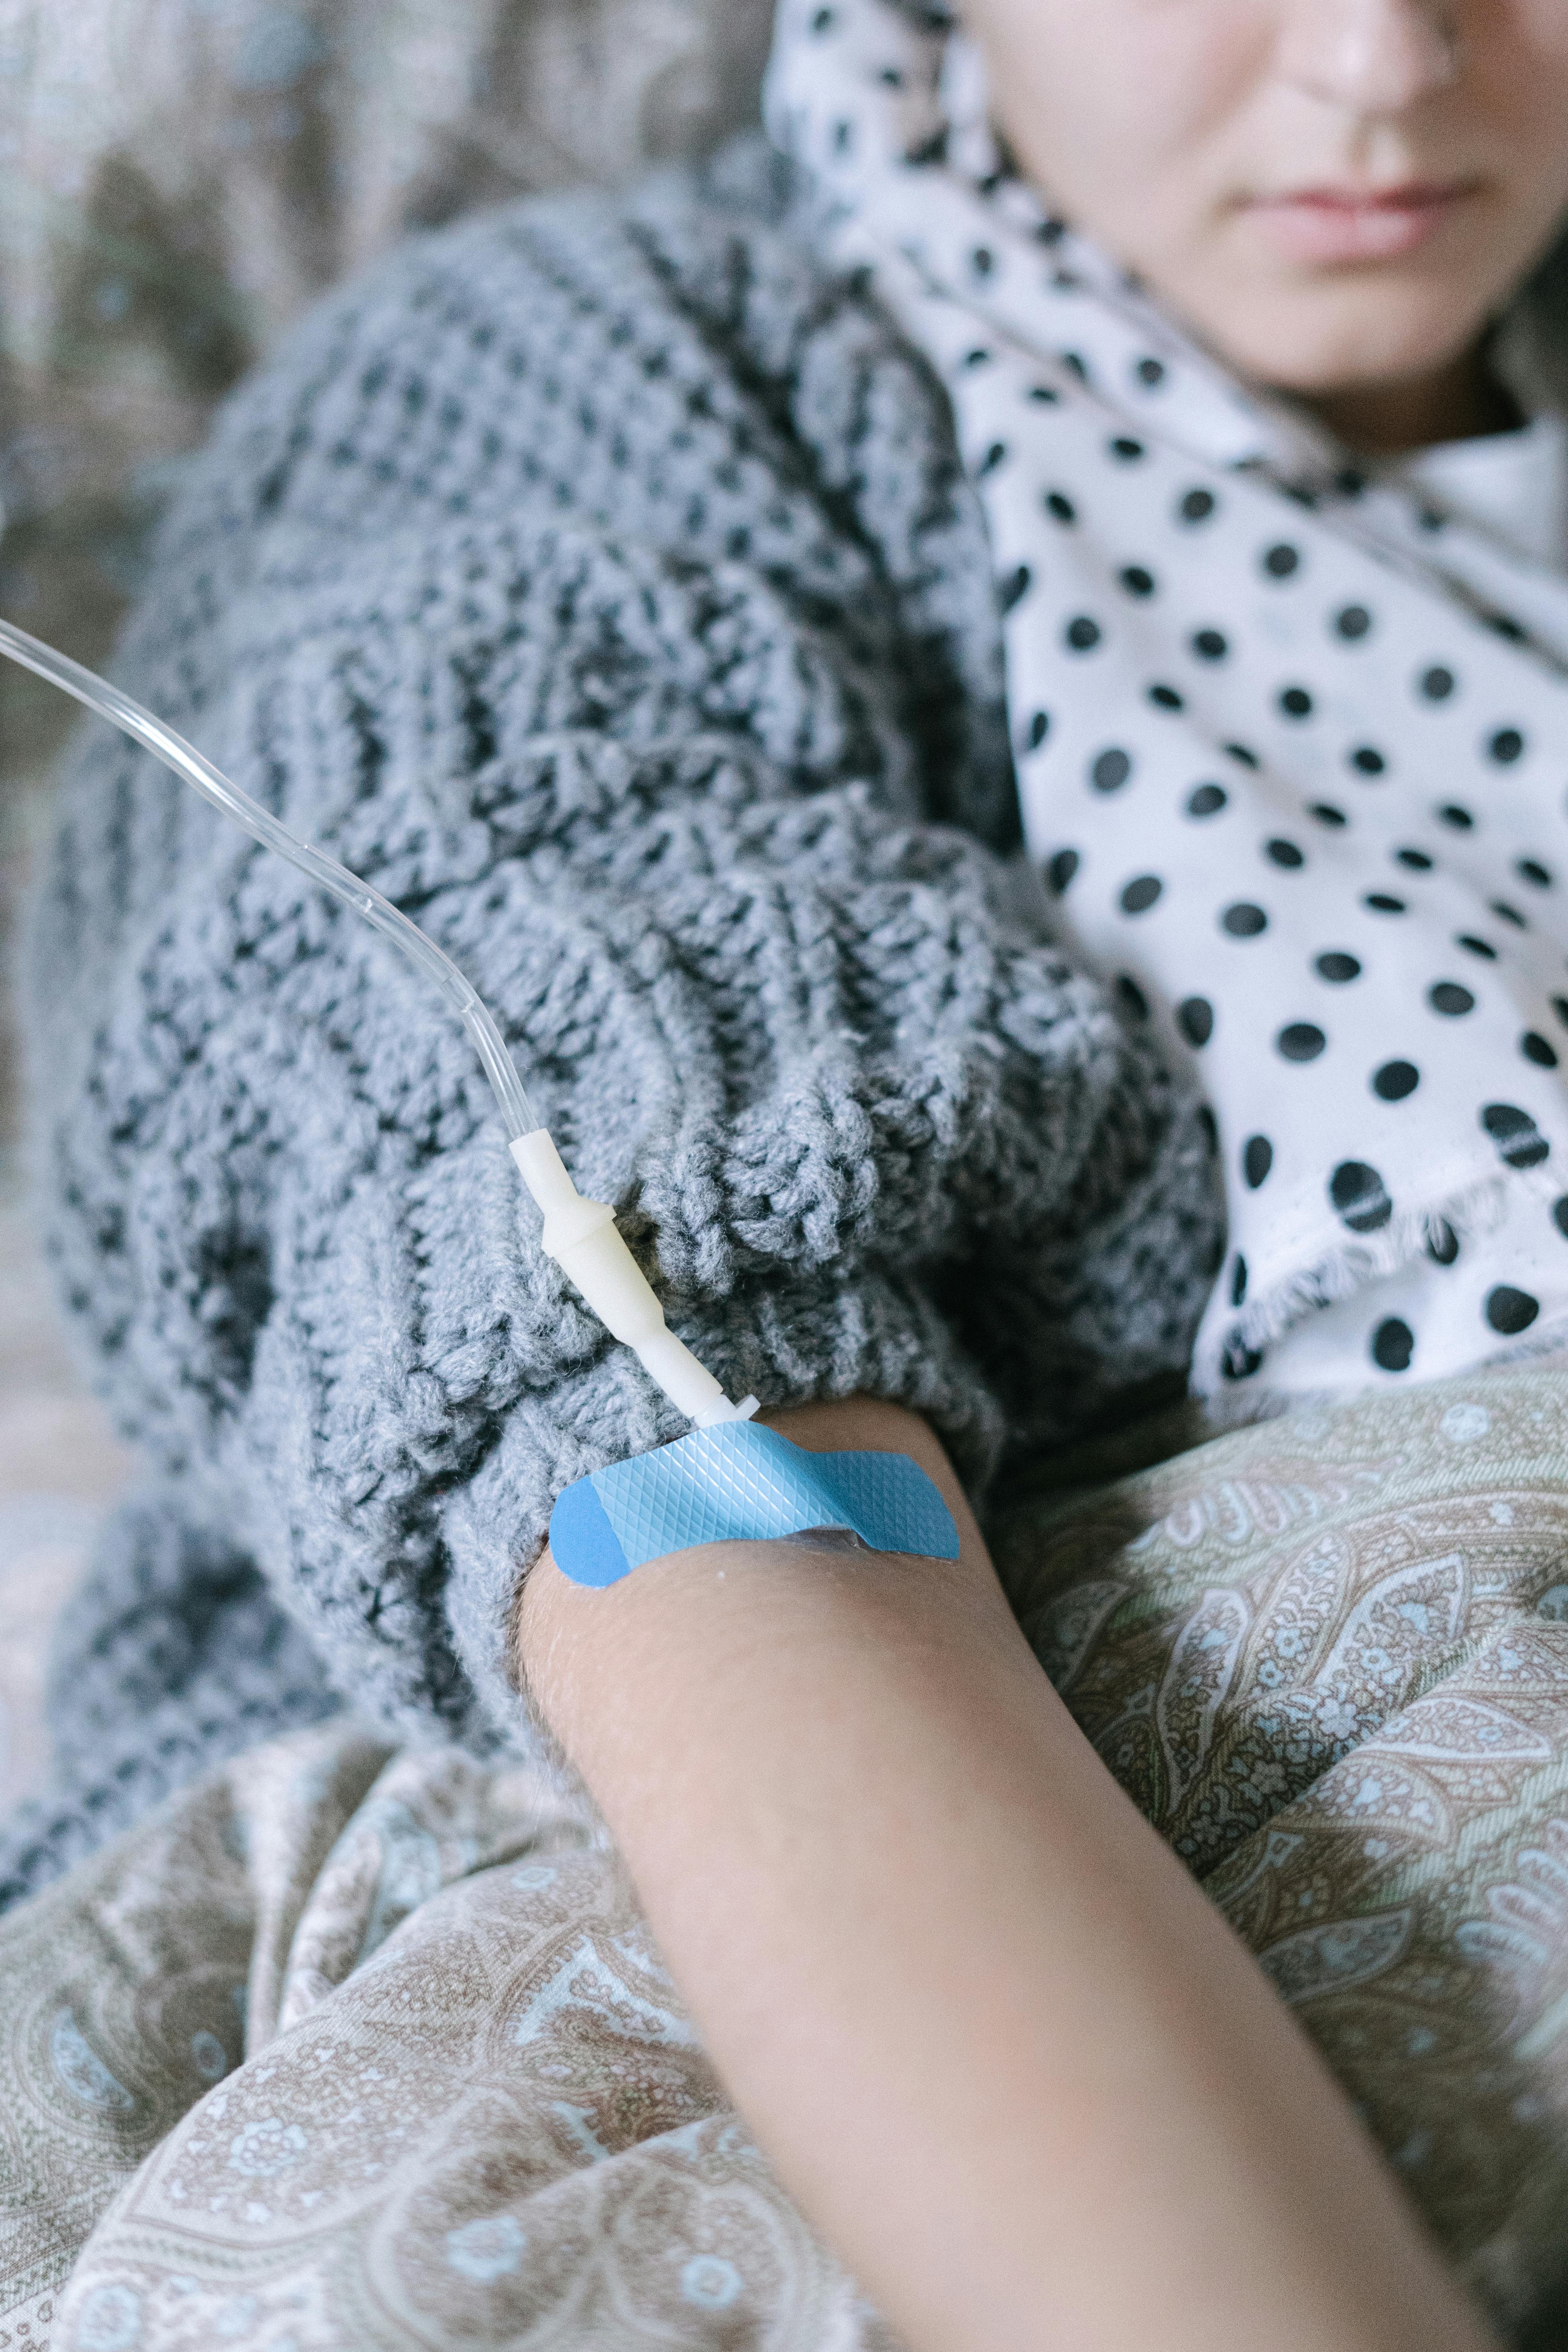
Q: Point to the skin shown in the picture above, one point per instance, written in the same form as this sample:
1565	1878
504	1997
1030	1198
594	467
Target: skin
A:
988	2029
993	2037
1164	128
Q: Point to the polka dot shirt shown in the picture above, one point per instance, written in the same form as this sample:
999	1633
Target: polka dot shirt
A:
1288	740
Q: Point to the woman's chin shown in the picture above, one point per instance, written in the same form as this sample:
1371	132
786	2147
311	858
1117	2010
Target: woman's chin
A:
1336	335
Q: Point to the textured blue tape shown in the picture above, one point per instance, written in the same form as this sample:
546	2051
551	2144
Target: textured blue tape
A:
741	1483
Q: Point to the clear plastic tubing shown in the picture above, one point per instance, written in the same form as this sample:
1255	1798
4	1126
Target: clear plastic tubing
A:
187	761
580	1235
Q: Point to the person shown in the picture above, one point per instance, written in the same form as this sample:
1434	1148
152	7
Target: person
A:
1142	425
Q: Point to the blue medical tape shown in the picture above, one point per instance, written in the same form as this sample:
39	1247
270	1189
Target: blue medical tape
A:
741	1483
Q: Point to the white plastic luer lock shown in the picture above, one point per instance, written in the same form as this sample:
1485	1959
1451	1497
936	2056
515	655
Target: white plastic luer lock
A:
583	1238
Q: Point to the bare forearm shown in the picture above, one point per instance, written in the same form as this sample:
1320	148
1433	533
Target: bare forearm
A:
996	2040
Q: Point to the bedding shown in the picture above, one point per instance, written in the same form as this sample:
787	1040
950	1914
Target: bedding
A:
348	2044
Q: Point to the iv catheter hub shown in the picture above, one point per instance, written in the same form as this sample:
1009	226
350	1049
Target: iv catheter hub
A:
583	1238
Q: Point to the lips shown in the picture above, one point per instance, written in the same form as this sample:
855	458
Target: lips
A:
1326	225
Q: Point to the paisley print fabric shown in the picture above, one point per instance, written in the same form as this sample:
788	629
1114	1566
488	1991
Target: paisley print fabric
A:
355	2048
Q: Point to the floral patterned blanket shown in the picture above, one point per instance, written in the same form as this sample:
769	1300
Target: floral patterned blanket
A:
351	2046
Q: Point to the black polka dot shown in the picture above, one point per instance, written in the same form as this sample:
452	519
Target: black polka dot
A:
1131	997
822	21
1506	746
1531	869
1350	482
1209	646
1206	800
1507	914
1282	560
1126	449
1039	727
1256	1160
1243	754
1141	894
1197	506
1195	1018
1210	1126
1416	860
1165	697
1560	1006
995	458
982	262
1360	1196
1510	1311
1460	818
1367	760
1327	813
979	357
1302	1041
1338	967
1516	1135
1137	581
1110	770
1559	1216
1382	904
1243	921
1082	634
1352	623
1061	508
1295	702
1395	1080
1149	373
1448	996
1443	1243
1392	1344
1016	587
1437	683
1538	1049
1285	854
1238	1280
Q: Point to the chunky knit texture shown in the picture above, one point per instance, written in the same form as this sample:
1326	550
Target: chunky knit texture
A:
600	580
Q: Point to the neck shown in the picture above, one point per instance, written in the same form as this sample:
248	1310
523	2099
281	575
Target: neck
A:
1456	402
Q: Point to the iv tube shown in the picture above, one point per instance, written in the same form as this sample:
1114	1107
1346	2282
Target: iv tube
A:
580	1235
100	695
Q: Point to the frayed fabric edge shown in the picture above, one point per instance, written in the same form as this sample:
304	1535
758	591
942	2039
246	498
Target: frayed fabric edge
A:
1467	1216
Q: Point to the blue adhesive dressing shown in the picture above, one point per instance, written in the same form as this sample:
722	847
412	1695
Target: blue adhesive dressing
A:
740	1483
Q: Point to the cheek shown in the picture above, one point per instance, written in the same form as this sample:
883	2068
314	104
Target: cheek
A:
1125	111
1522	79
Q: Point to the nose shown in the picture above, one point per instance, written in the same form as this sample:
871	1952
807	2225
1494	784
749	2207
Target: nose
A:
1370	56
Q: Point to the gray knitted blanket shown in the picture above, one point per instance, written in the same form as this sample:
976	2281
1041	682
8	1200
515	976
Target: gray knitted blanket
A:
599	580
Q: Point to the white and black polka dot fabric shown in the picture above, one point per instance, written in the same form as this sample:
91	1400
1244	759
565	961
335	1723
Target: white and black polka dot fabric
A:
1292	747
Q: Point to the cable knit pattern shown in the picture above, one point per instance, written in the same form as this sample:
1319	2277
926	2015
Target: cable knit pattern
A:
600	580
